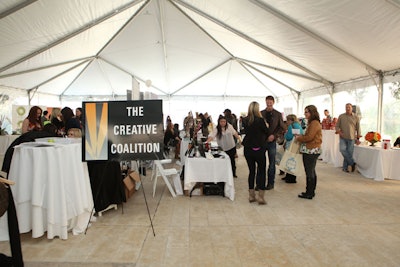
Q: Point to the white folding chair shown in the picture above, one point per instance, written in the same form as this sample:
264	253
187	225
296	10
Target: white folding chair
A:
159	170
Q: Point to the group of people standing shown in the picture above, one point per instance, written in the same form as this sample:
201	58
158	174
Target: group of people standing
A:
262	129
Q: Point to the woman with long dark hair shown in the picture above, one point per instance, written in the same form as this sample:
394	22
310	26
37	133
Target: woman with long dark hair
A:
311	149
224	133
33	122
69	119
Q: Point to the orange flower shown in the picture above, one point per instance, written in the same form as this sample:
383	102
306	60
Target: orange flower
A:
373	137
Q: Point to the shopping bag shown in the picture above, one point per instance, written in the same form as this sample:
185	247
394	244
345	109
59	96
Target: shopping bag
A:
292	160
280	150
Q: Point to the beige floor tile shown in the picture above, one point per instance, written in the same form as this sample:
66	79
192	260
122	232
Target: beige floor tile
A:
352	221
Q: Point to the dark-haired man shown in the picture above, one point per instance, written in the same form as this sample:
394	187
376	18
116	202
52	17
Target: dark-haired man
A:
277	128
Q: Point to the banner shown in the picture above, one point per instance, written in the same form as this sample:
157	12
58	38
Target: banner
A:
123	130
19	113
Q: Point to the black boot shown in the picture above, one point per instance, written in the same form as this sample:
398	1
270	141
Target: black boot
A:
310	188
290	178
305	195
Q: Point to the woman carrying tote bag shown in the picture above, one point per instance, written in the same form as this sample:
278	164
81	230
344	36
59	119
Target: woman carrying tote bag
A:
293	124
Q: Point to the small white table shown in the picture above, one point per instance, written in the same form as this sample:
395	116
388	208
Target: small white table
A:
52	191
330	148
210	171
377	163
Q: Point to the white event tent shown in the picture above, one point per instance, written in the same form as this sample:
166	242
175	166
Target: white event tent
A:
204	55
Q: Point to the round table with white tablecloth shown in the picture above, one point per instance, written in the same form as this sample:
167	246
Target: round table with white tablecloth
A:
52	191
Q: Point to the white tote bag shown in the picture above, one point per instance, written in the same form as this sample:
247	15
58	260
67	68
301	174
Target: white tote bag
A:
292	160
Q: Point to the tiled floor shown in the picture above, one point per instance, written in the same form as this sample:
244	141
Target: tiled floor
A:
352	221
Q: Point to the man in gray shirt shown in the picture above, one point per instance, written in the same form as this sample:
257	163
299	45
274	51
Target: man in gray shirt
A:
348	128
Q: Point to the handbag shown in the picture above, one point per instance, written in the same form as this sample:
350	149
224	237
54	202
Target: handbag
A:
3	199
292	160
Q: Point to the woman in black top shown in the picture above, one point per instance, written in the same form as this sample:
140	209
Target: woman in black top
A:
255	145
69	119
397	142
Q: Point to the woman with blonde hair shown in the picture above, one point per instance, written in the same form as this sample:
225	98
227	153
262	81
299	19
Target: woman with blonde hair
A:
255	145
56	119
293	123
74	133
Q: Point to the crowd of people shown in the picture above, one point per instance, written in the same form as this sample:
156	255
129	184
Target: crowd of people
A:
64	122
263	130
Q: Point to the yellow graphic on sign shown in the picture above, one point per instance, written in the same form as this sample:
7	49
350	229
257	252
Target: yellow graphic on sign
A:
96	131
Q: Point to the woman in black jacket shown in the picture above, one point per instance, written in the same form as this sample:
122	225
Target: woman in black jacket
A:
255	145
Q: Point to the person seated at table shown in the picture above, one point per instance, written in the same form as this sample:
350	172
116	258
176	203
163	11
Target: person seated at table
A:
74	133
56	120
49	130
69	119
33	121
293	123
397	143
45	118
224	133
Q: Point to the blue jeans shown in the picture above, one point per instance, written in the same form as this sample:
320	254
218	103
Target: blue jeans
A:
271	147
346	147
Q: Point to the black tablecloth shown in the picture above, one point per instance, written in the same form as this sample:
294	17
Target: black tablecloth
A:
106	182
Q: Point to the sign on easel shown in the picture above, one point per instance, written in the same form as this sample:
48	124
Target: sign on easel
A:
123	130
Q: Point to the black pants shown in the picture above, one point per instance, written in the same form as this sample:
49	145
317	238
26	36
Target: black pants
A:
309	162
256	159
231	153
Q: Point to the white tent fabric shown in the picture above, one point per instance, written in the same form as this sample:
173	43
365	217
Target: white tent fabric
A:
196	47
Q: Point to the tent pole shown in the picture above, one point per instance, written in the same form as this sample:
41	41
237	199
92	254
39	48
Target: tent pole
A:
380	103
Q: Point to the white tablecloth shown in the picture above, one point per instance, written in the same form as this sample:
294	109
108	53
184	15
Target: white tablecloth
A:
5	142
377	163
52	191
330	148
210	171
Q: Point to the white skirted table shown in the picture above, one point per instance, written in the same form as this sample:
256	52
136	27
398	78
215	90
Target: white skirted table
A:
330	148
52	191
210	171
377	163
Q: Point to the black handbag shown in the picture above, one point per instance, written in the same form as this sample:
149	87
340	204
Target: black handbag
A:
3	199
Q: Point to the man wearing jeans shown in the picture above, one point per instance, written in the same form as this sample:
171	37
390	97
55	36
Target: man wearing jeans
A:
276	127
348	128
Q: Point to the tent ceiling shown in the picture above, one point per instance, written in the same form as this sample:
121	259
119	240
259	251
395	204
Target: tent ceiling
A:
192	47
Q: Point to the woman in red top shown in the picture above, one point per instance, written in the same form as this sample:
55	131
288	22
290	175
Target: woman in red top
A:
33	122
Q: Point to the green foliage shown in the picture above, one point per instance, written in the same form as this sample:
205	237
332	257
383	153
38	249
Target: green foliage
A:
395	89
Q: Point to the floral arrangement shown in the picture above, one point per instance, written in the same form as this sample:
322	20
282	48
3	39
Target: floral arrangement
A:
373	137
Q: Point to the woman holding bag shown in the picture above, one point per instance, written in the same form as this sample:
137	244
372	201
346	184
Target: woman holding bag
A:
311	149
293	123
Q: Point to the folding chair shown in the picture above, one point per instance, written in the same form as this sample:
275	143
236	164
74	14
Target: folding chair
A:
158	170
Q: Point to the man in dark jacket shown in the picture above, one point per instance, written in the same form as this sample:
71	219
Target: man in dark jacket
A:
277	128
